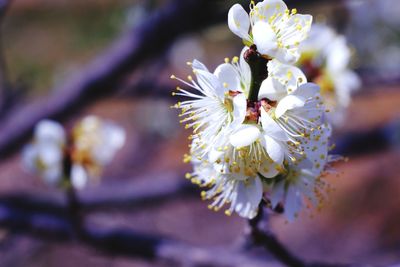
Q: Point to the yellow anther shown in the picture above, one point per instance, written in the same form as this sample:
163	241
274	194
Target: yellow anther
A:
228	213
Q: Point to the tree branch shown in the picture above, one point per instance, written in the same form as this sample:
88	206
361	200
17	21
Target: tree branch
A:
130	196
121	241
261	236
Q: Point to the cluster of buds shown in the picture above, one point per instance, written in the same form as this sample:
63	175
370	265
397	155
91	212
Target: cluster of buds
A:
71	159
259	130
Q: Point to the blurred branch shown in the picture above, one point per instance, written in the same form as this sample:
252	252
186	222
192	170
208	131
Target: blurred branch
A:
60	227
103	76
121	241
130	196
9	94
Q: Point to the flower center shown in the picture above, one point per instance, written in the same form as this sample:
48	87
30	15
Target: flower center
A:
253	112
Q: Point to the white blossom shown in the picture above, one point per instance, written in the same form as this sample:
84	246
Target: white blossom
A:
46	153
217	101
92	145
325	59
250	147
272	27
95	143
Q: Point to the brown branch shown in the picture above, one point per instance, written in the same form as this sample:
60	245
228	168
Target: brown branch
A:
260	235
121	241
130	196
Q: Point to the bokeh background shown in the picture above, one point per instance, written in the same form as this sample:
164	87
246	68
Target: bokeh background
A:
46	44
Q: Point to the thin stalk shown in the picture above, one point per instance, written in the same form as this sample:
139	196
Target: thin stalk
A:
259	71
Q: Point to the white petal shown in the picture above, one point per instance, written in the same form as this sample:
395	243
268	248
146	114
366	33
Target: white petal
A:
78	176
293	203
271	128
239	109
286	56
210	83
214	155
288	103
296	29
53	175
245	71
50	153
339	55
264	38
29	157
307	90
274	149
319	39
266	9
288	75
47	130
197	65
249	195
277	194
272	89
113	138
227	75
245	135
239	22
268	169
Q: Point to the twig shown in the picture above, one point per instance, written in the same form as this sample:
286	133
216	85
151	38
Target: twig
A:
130	196
261	236
122	242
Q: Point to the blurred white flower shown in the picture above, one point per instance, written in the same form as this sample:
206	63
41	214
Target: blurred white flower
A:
92	145
46	153
95	143
325	60
272	27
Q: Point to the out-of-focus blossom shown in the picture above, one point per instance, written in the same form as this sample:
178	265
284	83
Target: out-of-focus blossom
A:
95	143
325	60
272	27
45	154
92	144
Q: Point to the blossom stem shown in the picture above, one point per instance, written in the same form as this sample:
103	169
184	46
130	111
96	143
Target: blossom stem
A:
259	71
262	236
74	207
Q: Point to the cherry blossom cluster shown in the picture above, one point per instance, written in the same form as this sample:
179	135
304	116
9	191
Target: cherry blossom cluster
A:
71	159
259	131
325	59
